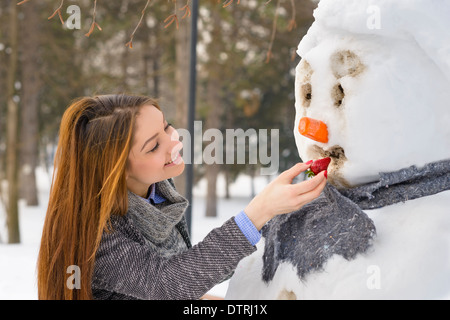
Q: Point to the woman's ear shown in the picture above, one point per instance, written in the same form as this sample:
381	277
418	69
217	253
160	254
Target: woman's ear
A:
127	172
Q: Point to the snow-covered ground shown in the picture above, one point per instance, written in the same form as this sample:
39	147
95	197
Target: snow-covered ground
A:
18	261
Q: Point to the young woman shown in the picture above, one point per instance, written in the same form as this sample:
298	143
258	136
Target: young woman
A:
115	216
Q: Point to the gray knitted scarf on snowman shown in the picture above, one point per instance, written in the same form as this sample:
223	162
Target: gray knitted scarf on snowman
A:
335	222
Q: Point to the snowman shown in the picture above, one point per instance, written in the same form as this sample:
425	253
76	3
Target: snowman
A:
373	94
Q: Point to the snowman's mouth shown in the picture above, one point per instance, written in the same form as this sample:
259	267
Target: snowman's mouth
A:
336	153
338	158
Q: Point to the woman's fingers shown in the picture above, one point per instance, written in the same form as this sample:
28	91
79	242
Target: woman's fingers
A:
281	196
289	175
304	192
313	193
311	184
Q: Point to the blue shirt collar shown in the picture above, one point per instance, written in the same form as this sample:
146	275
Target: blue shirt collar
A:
155	197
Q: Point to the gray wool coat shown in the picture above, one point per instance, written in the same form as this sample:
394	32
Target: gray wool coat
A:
148	255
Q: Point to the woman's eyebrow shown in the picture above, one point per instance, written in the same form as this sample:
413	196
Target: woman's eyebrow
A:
153	137
148	140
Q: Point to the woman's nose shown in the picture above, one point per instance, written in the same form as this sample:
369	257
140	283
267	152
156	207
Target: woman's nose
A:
173	134
314	129
176	144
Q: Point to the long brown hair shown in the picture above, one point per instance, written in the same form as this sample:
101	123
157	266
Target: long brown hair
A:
88	186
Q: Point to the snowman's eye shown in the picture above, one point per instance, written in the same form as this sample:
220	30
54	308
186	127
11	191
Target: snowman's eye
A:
306	94
304	77
338	95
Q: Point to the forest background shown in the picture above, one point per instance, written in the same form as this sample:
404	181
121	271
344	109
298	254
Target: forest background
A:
53	51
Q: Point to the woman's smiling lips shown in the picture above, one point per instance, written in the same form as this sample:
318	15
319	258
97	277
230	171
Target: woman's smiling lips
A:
176	160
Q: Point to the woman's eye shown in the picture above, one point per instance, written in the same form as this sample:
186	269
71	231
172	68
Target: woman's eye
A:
156	147
157	144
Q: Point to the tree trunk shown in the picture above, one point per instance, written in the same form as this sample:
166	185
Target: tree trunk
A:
156	52
12	130
227	182
31	84
182	38
3	78
151	61
252	183
156	77
213	121
123	86
212	171
213	96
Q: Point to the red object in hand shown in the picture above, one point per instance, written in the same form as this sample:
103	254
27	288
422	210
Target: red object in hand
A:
320	165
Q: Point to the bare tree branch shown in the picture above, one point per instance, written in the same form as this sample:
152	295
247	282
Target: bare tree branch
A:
187	10
93	24
292	23
130	43
173	17
229	2
22	2
57	11
274	30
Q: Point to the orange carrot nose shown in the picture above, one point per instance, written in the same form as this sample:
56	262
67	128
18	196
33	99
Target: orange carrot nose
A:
313	129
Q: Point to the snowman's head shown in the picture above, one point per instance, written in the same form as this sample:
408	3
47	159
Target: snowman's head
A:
373	102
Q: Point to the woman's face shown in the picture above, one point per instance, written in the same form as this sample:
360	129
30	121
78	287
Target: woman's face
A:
154	155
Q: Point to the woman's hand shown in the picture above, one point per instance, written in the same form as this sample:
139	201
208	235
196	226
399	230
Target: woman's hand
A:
281	196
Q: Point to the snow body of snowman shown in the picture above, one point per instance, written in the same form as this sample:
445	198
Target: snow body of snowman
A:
382	90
